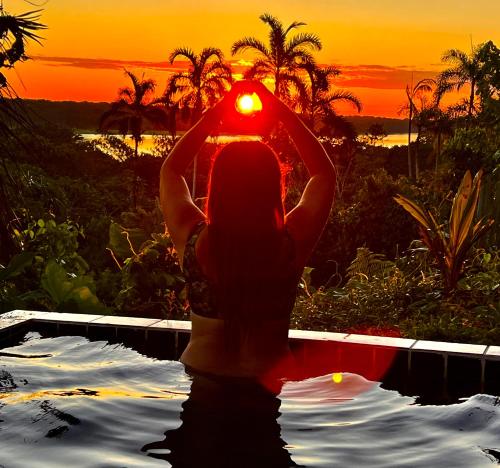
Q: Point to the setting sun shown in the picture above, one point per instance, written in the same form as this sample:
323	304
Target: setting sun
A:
248	103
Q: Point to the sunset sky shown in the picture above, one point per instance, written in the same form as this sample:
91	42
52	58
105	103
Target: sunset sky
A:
377	44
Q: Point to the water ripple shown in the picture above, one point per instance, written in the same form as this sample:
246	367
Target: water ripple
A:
68	401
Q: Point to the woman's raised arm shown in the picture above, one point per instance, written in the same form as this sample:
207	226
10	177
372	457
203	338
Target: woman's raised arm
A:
307	220
179	210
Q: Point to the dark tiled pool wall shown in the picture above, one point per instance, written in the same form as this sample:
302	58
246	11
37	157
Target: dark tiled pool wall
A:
412	367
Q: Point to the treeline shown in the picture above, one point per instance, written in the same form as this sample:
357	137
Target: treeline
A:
85	116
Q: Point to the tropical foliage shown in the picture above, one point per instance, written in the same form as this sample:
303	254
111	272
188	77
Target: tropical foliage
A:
450	248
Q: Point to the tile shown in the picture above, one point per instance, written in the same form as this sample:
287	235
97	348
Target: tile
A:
493	352
50	316
19	314
388	341
315	335
9	323
65	317
175	325
124	321
452	348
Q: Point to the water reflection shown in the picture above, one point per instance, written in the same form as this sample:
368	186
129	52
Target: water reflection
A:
226	422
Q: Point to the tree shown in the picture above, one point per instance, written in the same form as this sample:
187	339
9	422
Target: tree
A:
437	123
414	94
466	69
283	58
320	98
201	86
375	133
132	112
488	88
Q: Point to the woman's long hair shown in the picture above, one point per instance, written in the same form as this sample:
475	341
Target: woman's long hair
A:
245	233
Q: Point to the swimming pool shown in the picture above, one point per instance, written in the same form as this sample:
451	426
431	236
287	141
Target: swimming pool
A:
71	401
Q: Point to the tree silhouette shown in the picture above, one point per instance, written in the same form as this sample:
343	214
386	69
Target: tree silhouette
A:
414	94
203	84
466	69
320	98
375	133
438	124
282	59
132	112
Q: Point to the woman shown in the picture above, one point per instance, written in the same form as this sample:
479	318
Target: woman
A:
243	258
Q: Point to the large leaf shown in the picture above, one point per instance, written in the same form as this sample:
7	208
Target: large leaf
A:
71	294
463	210
415	210
17	265
56	282
460	202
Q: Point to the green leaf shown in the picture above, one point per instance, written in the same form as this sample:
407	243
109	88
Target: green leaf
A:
71	294
56	282
17	265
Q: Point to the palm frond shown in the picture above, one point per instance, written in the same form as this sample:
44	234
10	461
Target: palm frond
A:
250	43
274	23
209	52
183	52
343	95
127	94
306	40
294	25
134	79
455	56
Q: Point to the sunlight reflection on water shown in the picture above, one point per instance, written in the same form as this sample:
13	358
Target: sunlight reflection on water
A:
148	144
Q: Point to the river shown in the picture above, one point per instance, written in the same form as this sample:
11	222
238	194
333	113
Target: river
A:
148	143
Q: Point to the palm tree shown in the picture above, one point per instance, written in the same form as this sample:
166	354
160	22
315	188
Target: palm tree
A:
465	69
201	86
320	99
438	124
134	110
15	31
414	94
283	58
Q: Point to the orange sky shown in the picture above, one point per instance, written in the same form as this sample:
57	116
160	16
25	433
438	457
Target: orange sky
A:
377	45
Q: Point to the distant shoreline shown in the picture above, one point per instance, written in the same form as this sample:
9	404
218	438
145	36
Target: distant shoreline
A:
83	116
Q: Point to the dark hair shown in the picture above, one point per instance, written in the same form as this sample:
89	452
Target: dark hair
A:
245	215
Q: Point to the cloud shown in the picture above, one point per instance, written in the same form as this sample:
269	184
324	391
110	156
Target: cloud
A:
365	75
109	64
380	76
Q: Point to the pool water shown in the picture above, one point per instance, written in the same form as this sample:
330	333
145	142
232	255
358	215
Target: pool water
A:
70	402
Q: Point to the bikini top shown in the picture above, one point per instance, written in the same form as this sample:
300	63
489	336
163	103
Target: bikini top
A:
201	291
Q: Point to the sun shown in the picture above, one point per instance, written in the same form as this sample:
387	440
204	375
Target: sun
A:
248	103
